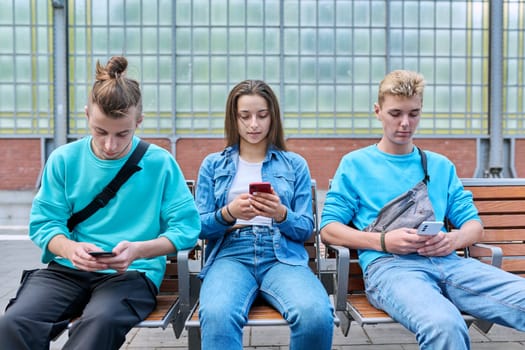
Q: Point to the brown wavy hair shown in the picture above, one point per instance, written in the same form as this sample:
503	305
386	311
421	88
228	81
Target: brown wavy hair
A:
260	88
113	92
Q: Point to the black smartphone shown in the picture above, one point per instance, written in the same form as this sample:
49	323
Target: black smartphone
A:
102	254
260	187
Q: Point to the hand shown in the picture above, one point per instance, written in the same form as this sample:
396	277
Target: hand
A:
78	254
268	205
439	245
241	207
404	241
125	253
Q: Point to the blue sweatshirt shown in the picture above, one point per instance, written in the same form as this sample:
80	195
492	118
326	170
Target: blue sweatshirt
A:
367	179
154	202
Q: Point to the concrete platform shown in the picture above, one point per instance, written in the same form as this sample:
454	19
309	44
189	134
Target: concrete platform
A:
18	253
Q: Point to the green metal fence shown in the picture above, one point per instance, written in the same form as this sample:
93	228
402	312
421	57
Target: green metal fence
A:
324	58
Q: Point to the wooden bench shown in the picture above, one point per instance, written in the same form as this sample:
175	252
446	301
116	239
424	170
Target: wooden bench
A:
262	313
173	300
501	205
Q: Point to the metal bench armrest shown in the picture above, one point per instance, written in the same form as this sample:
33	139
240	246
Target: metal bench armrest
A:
341	275
496	253
185	305
184	278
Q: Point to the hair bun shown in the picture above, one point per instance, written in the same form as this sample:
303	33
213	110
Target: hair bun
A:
113	91
116	66
114	69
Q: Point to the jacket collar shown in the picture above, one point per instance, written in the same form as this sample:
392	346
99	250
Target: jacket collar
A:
233	151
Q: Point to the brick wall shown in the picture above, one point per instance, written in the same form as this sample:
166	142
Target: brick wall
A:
21	163
323	155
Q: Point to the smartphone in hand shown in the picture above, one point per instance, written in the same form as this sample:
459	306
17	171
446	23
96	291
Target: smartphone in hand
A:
429	228
102	254
260	187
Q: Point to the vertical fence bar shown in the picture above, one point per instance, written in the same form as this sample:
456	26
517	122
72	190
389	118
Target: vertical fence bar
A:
496	88
60	105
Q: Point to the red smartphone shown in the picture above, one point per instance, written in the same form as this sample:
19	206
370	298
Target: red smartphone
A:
260	187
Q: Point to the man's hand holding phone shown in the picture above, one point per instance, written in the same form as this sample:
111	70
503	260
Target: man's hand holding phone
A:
102	254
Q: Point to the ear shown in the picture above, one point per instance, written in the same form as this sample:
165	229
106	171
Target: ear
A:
86	111
139	120
377	110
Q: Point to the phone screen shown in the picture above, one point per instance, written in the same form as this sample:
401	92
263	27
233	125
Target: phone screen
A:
260	187
102	254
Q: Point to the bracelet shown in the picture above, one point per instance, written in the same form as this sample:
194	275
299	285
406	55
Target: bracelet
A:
218	217
229	212
383	245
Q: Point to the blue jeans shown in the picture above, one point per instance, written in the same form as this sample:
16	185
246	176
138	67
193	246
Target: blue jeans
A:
246	267
427	295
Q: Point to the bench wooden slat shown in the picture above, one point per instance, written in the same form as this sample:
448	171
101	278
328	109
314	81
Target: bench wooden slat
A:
164	304
500	207
497	192
362	306
502	235
517	250
503	220
513	265
172	269
259	311
355	284
169	286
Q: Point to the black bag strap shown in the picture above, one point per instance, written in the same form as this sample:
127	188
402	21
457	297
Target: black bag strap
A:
426	179
103	198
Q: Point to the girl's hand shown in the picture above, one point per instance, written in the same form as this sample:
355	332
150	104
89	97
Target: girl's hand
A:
241	208
268	205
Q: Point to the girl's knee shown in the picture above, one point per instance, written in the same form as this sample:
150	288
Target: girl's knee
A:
221	316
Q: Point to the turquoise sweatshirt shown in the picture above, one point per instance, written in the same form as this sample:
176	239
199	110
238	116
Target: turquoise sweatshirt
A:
367	179
154	202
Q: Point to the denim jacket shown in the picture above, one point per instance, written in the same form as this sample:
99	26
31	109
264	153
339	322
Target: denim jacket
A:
290	177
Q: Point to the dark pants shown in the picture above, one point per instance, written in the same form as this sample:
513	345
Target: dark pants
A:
110	305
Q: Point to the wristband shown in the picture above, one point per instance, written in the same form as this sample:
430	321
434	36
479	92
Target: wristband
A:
229	212
220	219
383	245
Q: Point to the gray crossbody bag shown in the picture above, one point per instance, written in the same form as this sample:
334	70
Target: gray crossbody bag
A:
409	209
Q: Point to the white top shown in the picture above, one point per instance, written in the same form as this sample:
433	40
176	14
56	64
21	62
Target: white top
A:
246	173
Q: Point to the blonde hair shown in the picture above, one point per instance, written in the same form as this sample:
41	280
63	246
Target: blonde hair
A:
113	92
401	83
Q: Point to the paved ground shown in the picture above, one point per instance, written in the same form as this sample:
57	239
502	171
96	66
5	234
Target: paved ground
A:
18	253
